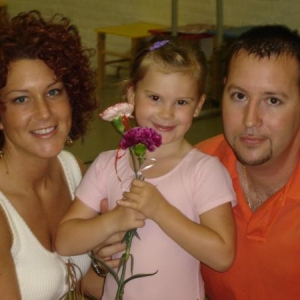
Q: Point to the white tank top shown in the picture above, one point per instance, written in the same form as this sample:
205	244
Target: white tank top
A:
42	275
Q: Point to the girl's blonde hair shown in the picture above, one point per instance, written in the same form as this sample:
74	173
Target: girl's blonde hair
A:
169	55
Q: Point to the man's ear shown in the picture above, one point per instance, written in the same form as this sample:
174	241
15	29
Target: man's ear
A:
199	105
130	95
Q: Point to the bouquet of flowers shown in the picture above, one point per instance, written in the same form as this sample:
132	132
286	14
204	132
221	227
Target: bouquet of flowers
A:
137	140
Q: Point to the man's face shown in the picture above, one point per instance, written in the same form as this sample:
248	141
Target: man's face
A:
261	107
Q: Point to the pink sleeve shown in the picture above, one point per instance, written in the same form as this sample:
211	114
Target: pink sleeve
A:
92	188
214	186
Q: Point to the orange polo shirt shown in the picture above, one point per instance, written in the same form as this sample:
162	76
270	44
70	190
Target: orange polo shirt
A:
267	263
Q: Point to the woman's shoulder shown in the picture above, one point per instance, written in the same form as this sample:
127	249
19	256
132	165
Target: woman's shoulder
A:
72	169
5	230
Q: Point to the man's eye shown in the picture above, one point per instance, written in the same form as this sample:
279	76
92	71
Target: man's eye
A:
273	101
239	96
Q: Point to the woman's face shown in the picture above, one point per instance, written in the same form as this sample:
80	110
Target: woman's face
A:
37	115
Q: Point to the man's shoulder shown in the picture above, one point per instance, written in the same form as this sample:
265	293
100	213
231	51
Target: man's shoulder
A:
218	146
214	145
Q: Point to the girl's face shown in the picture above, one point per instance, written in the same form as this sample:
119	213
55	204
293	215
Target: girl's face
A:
166	102
37	117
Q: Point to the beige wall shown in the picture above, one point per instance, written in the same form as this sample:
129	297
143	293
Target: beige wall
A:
90	14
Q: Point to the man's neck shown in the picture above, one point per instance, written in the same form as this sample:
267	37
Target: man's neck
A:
261	182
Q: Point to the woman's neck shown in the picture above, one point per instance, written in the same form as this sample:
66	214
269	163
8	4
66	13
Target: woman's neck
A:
26	170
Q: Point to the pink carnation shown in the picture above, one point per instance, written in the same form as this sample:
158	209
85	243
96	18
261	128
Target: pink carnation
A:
141	135
117	111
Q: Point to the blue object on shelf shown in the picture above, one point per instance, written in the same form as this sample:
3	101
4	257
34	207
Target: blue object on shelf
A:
233	32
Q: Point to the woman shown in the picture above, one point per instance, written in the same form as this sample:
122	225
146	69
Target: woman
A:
46	99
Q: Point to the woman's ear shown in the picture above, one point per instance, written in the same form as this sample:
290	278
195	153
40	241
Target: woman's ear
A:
130	95
199	105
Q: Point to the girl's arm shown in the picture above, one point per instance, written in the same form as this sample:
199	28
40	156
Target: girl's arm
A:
211	242
83	229
9	287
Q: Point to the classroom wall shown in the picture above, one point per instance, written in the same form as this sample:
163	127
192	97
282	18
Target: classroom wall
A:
90	14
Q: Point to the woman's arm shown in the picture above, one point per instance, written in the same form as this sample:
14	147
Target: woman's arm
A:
9	287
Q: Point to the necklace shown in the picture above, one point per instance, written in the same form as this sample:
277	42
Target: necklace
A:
246	192
254	205
3	157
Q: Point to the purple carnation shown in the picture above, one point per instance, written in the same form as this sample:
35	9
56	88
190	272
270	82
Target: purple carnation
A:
141	135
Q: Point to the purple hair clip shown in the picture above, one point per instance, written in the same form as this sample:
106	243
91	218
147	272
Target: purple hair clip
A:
158	44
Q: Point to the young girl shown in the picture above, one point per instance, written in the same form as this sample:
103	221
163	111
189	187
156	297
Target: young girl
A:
182	207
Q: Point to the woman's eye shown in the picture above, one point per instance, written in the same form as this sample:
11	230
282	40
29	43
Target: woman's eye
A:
54	92
20	99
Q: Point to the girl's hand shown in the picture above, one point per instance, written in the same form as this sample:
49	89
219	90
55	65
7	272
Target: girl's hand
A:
144	198
126	218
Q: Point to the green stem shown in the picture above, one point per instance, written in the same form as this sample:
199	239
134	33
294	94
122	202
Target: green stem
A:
126	255
135	167
128	236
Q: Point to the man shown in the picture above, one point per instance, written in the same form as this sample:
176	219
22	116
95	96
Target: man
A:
260	148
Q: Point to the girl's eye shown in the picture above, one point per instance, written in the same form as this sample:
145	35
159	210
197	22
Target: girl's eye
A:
154	98
20	99
273	101
182	102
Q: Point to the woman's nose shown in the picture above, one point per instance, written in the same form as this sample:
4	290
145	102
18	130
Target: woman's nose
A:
42	108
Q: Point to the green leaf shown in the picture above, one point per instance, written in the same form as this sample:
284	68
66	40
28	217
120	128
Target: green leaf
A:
138	276
110	270
118	123
139	150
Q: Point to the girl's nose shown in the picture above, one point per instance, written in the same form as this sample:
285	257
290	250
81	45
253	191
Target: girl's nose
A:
166	112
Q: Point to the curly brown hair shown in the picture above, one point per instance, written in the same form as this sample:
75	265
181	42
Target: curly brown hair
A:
56	42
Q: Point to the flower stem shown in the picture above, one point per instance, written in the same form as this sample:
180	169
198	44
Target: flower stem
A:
128	239
135	167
